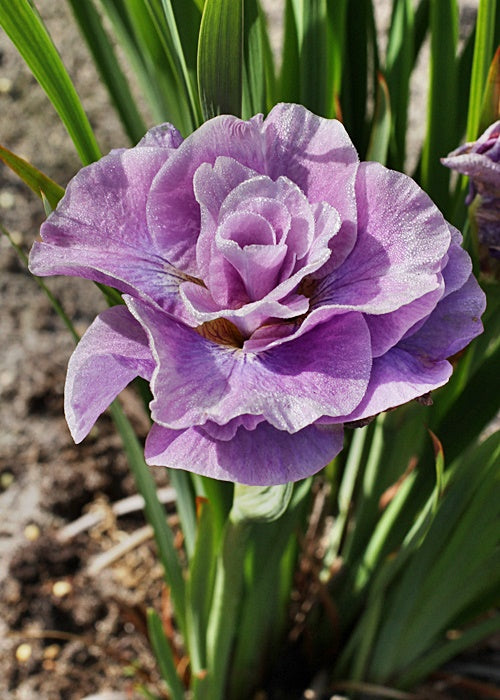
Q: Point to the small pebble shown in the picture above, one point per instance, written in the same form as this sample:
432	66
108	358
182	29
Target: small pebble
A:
7	200
32	532
6	480
5	85
23	653
52	651
61	588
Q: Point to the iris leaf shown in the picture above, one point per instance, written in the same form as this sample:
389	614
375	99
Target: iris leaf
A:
491	101
200	586
256	59
91	26
220	57
164	655
26	30
381	129
399	64
483	53
441	136
38	182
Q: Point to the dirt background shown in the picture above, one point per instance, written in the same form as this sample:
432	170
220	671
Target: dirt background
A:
67	632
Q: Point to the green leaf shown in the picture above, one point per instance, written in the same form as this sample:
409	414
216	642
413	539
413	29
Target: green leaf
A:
441	135
56	305
263	616
223	620
483	52
256	69
399	64
440	654
491	102
220	57
155	513
164	655
361	64
138	35
315	79
289	80
185	506
26	30
169	32
38	182
474	408
200	587
260	503
91	26
381	129
336	38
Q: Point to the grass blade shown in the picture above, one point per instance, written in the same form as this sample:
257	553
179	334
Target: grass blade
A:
220	57
90	24
381	129
164	656
483	52
155	513
441	136
289	79
36	180
399	64
26	30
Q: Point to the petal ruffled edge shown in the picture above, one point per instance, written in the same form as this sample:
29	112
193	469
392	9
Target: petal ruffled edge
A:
113	351
260	457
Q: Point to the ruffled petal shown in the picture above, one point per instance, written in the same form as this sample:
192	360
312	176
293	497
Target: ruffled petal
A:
99	228
398	377
197	380
402	240
318	155
263	456
112	353
452	325
173	212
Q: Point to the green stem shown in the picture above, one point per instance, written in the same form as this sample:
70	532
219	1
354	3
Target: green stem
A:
226	603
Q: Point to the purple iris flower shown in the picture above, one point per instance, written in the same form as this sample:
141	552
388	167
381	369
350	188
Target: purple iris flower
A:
275	288
480	160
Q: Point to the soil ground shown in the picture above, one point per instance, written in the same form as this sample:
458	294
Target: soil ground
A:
66	632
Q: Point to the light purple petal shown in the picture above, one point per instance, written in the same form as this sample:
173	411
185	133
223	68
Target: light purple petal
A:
201	307
173	212
318	155
228	430
198	380
398	377
386	330
112	353
451	326
479	167
260	457
162	136
402	239
99	229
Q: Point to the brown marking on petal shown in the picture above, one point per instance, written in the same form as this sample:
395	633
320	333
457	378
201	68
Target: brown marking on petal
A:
221	331
307	287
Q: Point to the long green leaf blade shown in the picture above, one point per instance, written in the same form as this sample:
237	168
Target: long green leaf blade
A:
28	33
483	52
381	129
36	180
164	655
441	136
155	513
399	64
100	46
220	57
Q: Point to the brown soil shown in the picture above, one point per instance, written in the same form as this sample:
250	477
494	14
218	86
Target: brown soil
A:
64	632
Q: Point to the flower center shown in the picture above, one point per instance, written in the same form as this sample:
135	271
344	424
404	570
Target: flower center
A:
221	331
